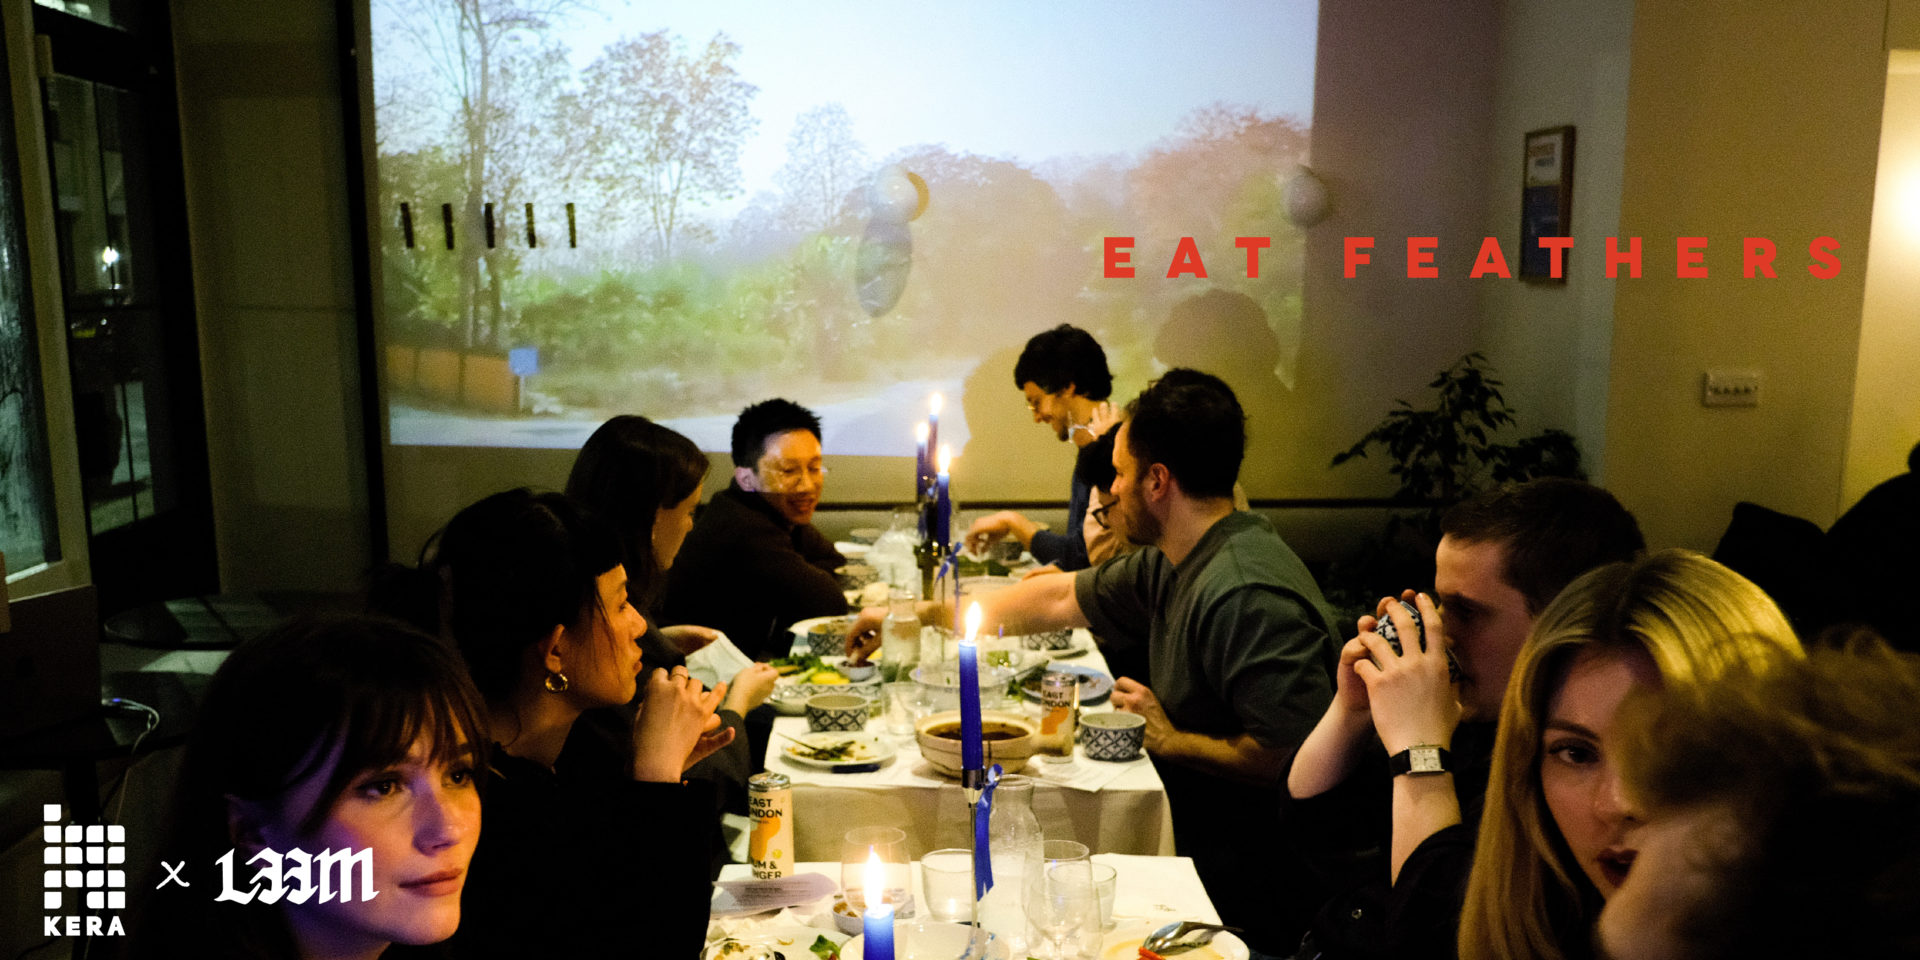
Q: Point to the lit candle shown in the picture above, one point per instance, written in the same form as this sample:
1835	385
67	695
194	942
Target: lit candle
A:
933	423
943	504
970	694
877	922
922	472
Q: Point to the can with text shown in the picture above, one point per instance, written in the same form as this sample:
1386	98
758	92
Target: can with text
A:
770	812
1059	701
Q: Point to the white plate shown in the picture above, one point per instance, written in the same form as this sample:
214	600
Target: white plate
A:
789	942
868	750
1124	944
852	551
920	940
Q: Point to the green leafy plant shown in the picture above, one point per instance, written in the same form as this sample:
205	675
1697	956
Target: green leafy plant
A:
1441	455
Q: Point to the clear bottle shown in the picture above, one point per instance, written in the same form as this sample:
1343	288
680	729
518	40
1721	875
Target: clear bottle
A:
900	639
1013	838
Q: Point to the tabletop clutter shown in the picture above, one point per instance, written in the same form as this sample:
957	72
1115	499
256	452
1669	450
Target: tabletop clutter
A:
977	710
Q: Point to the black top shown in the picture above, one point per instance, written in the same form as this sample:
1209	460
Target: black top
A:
586	863
1347	836
1869	559
748	573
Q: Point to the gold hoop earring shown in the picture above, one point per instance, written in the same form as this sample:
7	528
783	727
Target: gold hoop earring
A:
556	682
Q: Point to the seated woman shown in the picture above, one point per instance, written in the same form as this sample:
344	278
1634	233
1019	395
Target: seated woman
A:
1670	619
596	854
644	480
1782	814
323	735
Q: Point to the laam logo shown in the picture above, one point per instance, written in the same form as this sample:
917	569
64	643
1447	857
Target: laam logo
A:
88	865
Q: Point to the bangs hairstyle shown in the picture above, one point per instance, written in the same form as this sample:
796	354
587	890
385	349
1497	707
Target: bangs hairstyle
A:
354	691
361	689
1191	422
1696	620
515	565
628	471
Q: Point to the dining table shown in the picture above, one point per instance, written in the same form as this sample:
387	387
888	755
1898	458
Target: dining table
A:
1113	807
1149	892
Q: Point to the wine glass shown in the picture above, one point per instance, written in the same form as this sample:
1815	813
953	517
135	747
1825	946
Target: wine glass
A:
1062	905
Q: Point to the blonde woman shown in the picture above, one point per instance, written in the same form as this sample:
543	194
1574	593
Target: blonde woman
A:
1553	840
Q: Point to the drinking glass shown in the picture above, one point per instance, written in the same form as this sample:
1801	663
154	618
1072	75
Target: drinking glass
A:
1063	906
891	844
946	877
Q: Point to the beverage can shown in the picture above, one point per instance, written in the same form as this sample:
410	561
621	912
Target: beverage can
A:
770	813
1059	699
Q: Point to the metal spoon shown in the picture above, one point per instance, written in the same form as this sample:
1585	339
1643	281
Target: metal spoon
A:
1167	939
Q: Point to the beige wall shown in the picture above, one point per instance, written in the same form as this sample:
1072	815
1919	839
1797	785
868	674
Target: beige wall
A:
1560	64
1742	119
1402	118
1886	404
273	280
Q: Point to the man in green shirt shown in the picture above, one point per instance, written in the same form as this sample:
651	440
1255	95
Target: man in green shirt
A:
1240	644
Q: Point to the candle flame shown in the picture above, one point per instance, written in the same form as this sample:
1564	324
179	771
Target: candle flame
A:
920	432
973	620
946	458
876	879
935	404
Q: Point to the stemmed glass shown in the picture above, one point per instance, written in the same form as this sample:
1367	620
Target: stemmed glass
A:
1063	909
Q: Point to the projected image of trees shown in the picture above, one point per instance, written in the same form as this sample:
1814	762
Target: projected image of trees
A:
673	209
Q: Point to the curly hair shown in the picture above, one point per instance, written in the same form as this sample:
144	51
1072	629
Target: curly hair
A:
1819	764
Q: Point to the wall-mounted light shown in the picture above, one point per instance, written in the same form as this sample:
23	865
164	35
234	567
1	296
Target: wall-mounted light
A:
1306	198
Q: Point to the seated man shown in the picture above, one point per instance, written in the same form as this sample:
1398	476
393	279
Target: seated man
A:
1781	815
1502	557
1239	642
754	562
1063	374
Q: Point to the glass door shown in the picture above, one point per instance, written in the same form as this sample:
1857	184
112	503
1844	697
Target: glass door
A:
113	144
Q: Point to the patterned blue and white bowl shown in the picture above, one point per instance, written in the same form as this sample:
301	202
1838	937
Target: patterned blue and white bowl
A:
1112	736
838	711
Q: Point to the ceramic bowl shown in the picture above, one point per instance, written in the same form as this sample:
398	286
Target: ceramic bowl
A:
944	752
1112	736
838	711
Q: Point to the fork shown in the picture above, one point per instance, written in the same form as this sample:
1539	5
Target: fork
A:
1167	939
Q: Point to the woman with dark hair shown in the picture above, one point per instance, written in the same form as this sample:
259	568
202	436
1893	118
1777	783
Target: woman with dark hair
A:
644	479
346	735
536	599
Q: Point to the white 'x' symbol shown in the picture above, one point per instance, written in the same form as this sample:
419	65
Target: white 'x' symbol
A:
173	874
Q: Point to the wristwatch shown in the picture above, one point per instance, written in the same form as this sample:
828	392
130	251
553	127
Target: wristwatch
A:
1421	760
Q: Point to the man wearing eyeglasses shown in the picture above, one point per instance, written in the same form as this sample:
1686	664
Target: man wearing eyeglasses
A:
1063	374
754	562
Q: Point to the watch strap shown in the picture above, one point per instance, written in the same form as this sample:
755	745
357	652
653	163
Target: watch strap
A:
1432	760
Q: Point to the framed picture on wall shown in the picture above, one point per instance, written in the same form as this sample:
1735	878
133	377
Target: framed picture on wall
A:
1546	201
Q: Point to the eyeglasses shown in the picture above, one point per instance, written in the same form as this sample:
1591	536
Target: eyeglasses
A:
1099	514
786	475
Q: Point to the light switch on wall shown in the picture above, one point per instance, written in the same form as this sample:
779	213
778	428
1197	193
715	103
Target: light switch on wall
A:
1731	388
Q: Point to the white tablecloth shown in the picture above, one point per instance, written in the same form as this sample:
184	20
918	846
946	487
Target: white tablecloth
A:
1148	892
1112	808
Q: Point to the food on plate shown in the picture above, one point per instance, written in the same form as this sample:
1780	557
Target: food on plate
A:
997	658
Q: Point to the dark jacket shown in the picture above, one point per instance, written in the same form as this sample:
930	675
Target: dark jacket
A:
586	862
1348	834
748	573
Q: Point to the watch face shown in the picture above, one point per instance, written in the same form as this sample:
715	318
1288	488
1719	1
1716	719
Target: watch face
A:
1424	760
